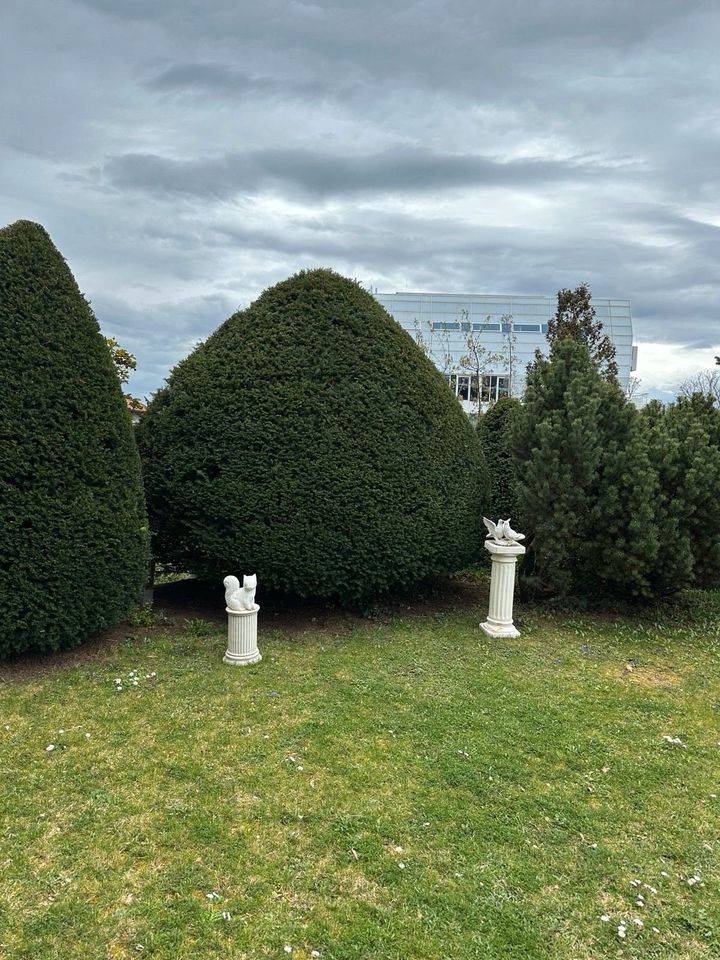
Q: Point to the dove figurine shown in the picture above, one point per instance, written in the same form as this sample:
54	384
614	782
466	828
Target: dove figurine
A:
502	533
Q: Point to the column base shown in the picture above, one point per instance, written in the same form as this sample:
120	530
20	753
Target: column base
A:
242	660
500	629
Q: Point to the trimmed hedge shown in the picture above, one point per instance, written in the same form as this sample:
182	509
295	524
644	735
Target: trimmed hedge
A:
73	529
310	441
495	429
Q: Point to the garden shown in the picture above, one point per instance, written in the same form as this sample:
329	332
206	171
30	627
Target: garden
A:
388	781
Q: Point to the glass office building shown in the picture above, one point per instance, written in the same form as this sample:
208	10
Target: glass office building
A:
482	343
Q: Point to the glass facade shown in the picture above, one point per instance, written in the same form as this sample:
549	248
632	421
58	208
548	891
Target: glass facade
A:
483	343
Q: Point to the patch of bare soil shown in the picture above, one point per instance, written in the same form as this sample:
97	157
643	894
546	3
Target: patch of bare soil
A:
649	676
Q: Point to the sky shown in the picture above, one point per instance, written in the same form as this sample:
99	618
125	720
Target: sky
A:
186	154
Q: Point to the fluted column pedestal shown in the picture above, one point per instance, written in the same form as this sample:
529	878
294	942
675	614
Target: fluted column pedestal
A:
242	637
499	622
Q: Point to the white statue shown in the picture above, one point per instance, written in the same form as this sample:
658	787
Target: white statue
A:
237	597
502	533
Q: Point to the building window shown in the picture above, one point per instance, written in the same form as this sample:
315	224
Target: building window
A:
488	387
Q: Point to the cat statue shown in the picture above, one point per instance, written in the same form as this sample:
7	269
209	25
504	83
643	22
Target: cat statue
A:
240	598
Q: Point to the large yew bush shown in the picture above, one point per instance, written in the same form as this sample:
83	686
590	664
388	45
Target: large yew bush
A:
496	430
310	441
73	530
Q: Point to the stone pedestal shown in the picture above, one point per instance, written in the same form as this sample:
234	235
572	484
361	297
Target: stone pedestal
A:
499	622
242	637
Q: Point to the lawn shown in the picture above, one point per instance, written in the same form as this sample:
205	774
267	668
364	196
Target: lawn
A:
396	787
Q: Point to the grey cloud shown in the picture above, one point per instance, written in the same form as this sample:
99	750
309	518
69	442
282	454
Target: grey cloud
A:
218	79
404	170
184	154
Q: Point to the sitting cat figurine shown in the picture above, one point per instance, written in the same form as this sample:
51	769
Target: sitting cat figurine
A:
237	597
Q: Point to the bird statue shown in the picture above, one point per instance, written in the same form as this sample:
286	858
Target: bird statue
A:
502	533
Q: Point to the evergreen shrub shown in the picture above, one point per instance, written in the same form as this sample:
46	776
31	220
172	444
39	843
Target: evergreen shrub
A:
495	430
73	529
585	483
685	439
310	441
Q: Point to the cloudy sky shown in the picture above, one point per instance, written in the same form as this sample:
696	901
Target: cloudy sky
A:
185	154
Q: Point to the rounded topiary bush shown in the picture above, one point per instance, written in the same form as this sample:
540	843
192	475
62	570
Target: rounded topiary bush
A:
310	441
73	529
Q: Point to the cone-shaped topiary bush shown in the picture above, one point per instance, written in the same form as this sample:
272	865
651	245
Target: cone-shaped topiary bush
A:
495	430
310	441
73	530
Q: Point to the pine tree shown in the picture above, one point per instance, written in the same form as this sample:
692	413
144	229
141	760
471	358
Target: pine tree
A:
689	431
674	566
73	530
575	320
585	483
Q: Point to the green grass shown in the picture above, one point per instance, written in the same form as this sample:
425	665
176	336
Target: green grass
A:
405	788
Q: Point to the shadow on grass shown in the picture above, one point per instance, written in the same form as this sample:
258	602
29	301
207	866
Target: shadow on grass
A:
180	602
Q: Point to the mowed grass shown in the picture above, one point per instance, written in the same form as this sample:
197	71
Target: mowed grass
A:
404	788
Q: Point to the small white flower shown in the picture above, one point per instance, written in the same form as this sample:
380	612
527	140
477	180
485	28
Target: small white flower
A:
87	735
61	732
225	915
634	883
621	931
398	849
50	747
402	866
314	953
605	918
675	740
300	767
287	948
593	846
638	922
153	674
664	874
213	895
655	930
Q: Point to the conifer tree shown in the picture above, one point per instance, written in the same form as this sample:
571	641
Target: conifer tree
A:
311	442
686	435
674	566
585	483
575	320
73	529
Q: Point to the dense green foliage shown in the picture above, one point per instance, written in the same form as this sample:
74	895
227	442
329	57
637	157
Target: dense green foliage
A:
73	530
311	442
685	444
585	482
495	430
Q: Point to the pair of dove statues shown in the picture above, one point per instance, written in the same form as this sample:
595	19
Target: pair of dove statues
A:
502	532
